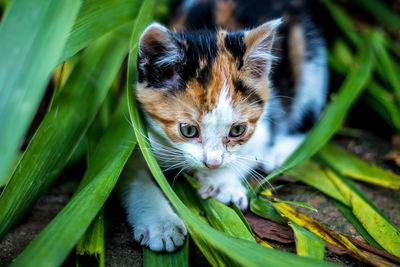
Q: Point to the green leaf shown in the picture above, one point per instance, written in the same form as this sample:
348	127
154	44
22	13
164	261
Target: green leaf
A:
333	115
307	244
216	215
346	211
263	208
357	169
63	127
343	21
386	64
179	258
90	248
377	225
381	12
96	18
384	103
54	243
312	174
32	36
295	203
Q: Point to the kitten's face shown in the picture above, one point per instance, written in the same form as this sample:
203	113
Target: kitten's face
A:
205	91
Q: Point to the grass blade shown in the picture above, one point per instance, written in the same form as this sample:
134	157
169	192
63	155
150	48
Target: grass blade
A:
346	211
62	128
54	243
377	225
96	18
328	234
90	248
32	36
263	208
333	115
386	65
312	174
307	244
357	169
321	178
343	21
384	103
295	203
381	11
179	258
216	215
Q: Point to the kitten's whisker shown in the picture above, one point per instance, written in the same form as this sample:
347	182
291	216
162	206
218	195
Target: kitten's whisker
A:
238	171
259	178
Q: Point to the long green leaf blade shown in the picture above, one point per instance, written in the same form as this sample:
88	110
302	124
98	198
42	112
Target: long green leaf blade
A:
53	244
179	258
216	215
346	211
62	128
96	18
357	169
90	247
377	225
32	36
381	11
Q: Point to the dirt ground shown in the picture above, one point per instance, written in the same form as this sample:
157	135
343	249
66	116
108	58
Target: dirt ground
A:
122	250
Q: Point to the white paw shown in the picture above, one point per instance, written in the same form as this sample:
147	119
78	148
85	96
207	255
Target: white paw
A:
223	191
161	233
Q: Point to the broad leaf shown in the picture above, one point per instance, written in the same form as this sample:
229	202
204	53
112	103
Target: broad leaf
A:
32	36
63	127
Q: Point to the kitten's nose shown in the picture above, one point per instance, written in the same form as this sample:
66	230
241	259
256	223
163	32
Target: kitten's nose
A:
213	158
212	165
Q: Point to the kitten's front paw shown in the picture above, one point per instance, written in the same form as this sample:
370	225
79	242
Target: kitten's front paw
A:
161	234
224	192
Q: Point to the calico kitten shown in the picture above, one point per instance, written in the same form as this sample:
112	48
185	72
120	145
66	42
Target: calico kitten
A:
234	86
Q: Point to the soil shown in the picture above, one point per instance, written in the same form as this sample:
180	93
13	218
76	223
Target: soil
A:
122	250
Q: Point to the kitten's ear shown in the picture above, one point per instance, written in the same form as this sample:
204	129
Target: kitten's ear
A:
159	57
259	42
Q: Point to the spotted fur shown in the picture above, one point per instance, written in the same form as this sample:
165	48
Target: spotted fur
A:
257	66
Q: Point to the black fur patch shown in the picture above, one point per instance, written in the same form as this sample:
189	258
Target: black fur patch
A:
251	13
194	46
282	74
166	76
247	92
234	42
308	120
201	16
204	76
200	45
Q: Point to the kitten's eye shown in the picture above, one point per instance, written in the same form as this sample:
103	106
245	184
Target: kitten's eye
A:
237	130
189	131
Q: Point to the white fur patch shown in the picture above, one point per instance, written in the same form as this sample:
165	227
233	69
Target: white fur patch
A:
215	126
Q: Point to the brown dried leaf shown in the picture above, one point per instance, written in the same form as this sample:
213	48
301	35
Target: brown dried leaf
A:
267	229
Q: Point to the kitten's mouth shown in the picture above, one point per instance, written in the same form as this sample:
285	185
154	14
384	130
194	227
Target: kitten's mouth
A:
212	165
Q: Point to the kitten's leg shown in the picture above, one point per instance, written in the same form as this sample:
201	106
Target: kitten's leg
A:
284	145
154	222
224	185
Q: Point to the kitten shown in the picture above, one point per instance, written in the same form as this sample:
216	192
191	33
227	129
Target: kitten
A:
229	92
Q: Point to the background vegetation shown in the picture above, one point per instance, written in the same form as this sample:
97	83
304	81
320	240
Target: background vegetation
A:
74	53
